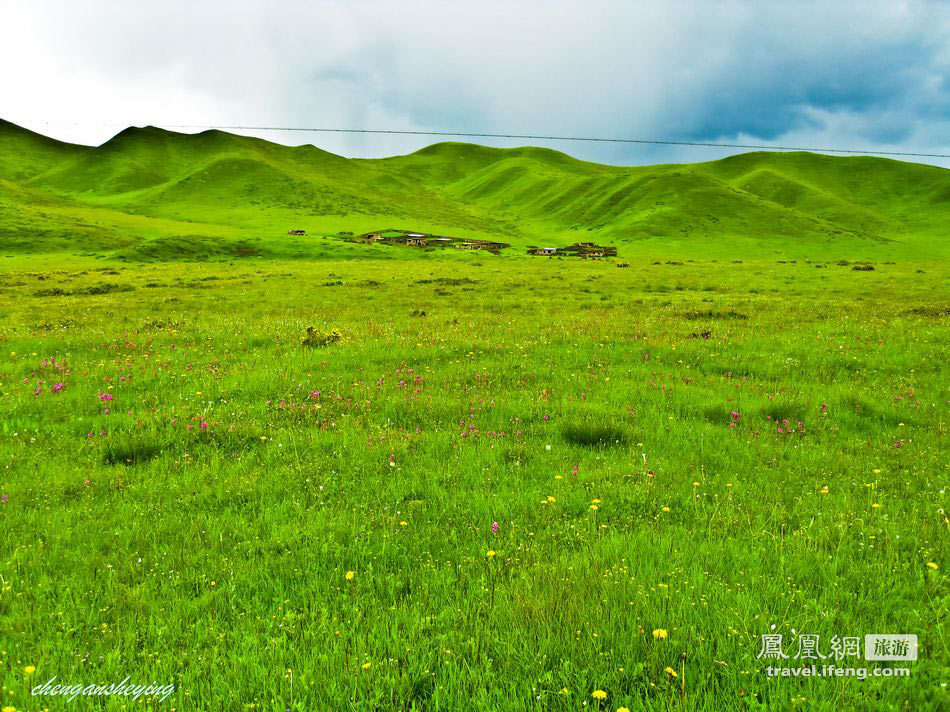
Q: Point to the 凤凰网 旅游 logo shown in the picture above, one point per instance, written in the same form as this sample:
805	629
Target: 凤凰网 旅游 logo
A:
809	646
837	656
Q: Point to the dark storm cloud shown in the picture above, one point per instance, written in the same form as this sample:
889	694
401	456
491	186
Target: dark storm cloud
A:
769	98
838	74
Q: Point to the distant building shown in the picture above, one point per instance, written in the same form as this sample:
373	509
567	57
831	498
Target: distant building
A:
579	249
590	249
395	236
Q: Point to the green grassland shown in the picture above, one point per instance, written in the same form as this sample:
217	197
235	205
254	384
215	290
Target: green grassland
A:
200	529
738	434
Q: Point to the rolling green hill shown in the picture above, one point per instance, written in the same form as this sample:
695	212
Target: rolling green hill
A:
154	194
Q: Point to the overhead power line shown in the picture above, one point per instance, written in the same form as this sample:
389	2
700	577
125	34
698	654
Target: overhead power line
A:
465	134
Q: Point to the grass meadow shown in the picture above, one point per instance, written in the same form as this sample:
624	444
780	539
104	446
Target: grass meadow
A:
481	483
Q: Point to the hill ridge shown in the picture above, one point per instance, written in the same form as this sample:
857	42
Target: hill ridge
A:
252	189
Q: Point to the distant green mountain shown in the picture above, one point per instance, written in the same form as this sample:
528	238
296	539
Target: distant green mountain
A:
153	194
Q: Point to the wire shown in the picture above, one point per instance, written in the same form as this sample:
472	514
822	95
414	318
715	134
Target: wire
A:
558	138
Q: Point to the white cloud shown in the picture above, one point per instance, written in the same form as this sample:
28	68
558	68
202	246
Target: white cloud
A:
768	73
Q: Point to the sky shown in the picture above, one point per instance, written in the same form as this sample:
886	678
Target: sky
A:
871	75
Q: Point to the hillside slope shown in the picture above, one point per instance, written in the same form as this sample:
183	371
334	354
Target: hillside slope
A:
148	184
24	154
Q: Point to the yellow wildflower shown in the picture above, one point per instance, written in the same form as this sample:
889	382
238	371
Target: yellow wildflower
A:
599	695
932	565
661	633
671	672
29	670
350	575
490	553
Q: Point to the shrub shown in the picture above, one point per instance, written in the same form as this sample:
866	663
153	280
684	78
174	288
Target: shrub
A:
320	339
130	451
587	434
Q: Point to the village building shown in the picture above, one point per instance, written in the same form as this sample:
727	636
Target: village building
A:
395	236
579	249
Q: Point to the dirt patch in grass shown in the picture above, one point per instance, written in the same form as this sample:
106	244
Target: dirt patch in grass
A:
718	315
105	288
447	281
929	312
